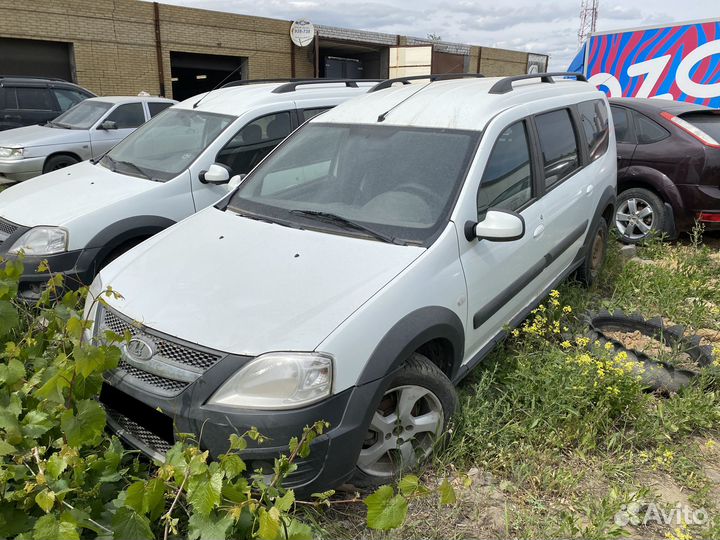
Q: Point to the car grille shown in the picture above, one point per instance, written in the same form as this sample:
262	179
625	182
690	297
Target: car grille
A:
170	386
135	430
187	363
6	229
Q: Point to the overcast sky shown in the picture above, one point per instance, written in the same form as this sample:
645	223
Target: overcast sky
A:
543	27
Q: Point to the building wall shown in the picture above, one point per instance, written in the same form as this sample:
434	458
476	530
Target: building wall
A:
502	62
115	41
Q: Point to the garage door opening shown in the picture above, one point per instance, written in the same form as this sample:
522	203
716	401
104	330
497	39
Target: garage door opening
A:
194	74
340	60
35	58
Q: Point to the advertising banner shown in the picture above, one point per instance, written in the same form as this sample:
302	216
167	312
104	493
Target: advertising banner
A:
675	62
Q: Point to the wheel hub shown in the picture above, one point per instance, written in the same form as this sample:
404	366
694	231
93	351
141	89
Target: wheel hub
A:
403	430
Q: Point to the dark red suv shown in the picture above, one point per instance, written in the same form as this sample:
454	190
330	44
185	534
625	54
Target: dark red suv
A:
668	167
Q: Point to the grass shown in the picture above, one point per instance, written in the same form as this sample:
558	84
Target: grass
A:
553	441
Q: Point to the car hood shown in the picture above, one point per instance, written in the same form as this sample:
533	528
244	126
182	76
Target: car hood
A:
42	136
246	287
60	196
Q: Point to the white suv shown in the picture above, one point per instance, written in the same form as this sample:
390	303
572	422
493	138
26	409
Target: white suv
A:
81	217
361	271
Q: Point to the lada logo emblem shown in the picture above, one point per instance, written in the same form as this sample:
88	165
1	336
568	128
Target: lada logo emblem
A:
139	349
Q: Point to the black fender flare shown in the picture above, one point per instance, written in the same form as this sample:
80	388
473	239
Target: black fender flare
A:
409	334
113	236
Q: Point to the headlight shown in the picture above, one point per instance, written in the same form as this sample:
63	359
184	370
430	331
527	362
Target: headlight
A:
10	153
41	241
278	381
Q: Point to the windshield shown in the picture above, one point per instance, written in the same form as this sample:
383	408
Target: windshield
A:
166	145
83	115
383	182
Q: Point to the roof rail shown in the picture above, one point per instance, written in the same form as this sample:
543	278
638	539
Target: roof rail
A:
244	82
292	86
505	85
57	79
437	77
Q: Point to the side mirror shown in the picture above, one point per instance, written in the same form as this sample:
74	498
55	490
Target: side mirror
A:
217	174
108	124
235	182
498	226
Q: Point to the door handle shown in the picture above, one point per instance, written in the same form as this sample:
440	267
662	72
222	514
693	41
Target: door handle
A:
538	231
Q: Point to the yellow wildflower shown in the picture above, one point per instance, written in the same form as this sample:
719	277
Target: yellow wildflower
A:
566	344
567	309
554	294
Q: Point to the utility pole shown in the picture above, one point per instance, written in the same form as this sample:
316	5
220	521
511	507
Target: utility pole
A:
588	19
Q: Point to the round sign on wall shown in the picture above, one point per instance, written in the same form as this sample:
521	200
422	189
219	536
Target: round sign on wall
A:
302	33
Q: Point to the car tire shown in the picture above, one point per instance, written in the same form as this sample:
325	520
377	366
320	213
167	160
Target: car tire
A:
639	214
59	162
595	254
428	400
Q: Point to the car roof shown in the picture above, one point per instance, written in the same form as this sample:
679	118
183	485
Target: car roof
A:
129	99
451	104
649	105
237	99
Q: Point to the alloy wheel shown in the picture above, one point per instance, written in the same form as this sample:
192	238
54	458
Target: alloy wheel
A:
403	431
635	218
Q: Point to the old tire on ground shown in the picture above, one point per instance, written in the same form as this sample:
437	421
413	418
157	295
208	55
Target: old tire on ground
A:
409	420
656	374
58	162
639	214
595	254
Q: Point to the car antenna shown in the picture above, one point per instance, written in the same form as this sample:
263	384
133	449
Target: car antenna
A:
218	85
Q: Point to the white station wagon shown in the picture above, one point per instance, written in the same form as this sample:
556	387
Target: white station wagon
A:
81	217
87	130
361	271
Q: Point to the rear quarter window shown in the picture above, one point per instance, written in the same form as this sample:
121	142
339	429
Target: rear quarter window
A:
594	121
648	131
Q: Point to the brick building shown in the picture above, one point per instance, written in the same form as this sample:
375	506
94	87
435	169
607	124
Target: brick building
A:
125	46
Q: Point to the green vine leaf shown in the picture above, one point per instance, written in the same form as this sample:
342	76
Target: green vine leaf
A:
127	523
9	319
45	500
208	527
447	493
269	524
204	493
86	427
49	526
385	509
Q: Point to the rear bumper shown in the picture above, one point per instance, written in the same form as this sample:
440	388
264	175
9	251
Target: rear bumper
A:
697	199
21	169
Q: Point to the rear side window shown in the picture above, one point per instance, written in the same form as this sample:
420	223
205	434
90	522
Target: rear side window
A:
156	107
558	145
623	128
507	180
130	115
34	99
647	131
594	121
254	141
67	98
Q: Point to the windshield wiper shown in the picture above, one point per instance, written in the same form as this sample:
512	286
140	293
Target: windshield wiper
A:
335	219
132	166
50	123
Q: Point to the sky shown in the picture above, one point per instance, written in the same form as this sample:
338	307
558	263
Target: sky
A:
546	27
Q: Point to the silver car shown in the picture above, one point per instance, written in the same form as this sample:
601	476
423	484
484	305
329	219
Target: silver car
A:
85	131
